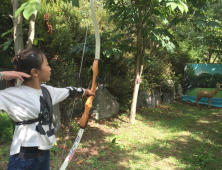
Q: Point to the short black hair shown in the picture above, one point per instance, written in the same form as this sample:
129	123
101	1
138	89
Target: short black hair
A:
25	61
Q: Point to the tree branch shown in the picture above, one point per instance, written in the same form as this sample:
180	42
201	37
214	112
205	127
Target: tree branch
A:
17	27
31	34
11	16
217	55
209	54
170	24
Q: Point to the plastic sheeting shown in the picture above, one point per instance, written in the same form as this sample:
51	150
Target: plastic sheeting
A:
217	102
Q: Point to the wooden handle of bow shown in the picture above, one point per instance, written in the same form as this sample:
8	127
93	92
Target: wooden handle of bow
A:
88	104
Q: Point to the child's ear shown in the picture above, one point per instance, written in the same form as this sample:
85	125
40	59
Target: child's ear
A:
34	72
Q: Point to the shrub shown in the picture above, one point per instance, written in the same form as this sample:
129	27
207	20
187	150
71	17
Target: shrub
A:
65	21
166	88
6	127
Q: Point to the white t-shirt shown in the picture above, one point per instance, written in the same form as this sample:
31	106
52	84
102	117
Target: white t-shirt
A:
23	103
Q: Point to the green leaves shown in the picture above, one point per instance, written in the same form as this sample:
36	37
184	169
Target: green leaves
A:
113	51
200	23
181	6
114	140
28	8
28	11
20	9
36	40
5	33
172	4
74	2
31	6
214	24
164	38
6	44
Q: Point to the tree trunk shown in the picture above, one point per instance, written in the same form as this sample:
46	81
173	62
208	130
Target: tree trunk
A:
31	30
209	55
17	26
137	71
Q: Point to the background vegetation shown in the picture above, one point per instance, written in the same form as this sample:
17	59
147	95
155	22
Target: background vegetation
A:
171	39
6	128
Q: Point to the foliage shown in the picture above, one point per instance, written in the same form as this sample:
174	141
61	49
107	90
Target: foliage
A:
65	21
28	8
65	46
6	33
201	33
157	39
74	2
6	127
124	15
156	73
166	88
6	44
119	80
172	39
112	64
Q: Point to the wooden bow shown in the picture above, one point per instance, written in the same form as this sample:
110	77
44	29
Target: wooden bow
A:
88	104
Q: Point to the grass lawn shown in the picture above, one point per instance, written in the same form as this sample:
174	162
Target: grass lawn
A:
193	92
179	136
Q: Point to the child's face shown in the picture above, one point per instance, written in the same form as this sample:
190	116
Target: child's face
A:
45	72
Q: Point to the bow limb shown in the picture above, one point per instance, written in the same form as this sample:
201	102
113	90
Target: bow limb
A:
97	52
95	68
88	104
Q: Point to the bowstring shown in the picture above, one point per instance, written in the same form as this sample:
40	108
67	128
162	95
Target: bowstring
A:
79	81
84	48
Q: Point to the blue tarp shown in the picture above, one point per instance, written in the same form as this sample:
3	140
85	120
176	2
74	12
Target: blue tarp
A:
217	102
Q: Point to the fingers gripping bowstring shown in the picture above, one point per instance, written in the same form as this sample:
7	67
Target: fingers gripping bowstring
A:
74	102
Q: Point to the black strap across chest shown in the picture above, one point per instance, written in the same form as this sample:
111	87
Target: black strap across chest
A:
46	109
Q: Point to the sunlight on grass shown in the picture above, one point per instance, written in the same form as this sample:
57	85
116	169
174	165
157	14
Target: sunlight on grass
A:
176	136
203	121
158	142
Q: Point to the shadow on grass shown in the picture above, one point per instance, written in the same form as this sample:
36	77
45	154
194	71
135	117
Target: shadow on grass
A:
195	141
199	148
94	152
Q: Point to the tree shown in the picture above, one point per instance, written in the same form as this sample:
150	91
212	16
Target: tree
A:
200	30
145	24
28	9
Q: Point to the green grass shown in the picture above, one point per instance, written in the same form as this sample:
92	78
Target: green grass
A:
177	136
193	92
